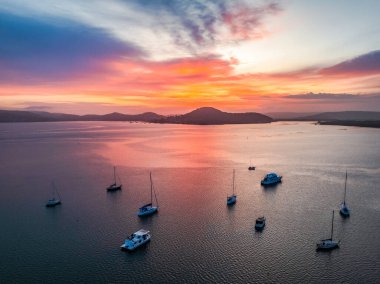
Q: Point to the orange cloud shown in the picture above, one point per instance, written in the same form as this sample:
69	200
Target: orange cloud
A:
186	83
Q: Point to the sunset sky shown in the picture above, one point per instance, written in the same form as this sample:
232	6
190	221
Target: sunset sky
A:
170	57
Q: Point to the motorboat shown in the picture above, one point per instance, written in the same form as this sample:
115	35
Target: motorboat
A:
344	210
149	209
114	186
270	179
136	239
232	198
329	244
260	223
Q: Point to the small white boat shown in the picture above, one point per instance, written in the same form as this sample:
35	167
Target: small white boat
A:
270	179
114	186
328	244
260	223
149	209
232	199
344	210
136	239
56	200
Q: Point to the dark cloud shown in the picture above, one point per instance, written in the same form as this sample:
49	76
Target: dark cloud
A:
366	100
323	96
30	49
362	65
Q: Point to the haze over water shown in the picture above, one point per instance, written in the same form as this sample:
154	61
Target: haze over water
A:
195	236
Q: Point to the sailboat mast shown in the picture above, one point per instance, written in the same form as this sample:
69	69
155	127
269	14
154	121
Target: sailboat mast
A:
233	182
332	226
55	191
151	188
114	174
345	187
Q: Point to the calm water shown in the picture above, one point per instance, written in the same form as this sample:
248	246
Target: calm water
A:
195	237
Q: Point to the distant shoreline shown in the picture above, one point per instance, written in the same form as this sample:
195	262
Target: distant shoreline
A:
201	116
367	123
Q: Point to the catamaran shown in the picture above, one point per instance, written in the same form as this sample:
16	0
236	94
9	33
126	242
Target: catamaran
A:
149	209
344	211
232	199
328	244
55	200
114	186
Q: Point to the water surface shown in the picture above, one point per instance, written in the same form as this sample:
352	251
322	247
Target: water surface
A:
196	237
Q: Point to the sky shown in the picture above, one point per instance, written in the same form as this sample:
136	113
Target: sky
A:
170	57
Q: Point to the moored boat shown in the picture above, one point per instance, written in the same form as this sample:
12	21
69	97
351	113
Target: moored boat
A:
271	179
149	209
329	244
135	240
114	186
344	210
260	223
232	198
56	200
251	168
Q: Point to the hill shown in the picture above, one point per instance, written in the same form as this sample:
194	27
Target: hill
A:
212	116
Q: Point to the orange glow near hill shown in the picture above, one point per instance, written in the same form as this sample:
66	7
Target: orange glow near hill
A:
185	84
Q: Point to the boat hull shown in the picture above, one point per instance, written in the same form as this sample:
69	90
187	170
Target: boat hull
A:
272	180
124	247
327	245
259	227
52	204
147	212
344	211
268	183
231	200
114	188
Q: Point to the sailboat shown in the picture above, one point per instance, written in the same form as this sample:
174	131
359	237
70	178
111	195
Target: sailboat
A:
251	168
232	199
328	244
55	200
114	186
149	209
344	211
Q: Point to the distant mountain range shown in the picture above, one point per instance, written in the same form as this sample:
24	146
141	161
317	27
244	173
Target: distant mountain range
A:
344	115
201	116
326	116
39	116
